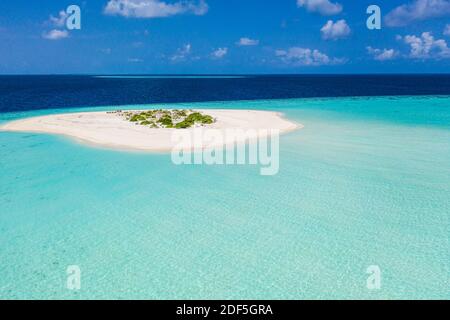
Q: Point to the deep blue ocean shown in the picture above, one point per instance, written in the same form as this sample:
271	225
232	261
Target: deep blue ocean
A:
21	93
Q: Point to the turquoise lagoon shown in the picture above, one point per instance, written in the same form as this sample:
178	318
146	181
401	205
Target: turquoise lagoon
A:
366	182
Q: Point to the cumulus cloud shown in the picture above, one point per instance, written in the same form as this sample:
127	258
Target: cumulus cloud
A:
154	8
297	56
55	34
335	30
426	47
382	54
60	20
182	53
247	42
324	7
418	10
220	53
447	30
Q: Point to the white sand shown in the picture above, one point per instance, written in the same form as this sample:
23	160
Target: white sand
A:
113	131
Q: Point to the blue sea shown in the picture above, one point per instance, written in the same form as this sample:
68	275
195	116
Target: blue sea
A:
365	183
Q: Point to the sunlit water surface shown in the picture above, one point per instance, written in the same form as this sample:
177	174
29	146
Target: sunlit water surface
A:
366	182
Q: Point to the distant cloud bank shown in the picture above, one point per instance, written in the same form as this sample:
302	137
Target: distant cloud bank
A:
297	56
247	42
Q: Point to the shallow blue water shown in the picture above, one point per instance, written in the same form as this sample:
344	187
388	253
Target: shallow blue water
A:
366	182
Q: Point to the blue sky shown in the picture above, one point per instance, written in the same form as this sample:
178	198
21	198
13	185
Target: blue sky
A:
224	36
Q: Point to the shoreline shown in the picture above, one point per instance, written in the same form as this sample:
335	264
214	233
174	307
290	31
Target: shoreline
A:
109	130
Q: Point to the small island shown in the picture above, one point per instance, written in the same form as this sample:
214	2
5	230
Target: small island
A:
169	119
149	130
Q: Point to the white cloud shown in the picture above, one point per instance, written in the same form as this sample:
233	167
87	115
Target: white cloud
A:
220	53
135	60
335	30
182	53
417	10
154	8
247	42
447	30
324	7
60	20
55	34
426	47
382	54
306	57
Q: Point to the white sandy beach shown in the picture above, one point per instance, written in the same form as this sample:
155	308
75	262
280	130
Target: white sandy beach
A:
113	131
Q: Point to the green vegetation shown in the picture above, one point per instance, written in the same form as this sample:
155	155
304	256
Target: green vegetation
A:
166	121
194	118
138	117
178	119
